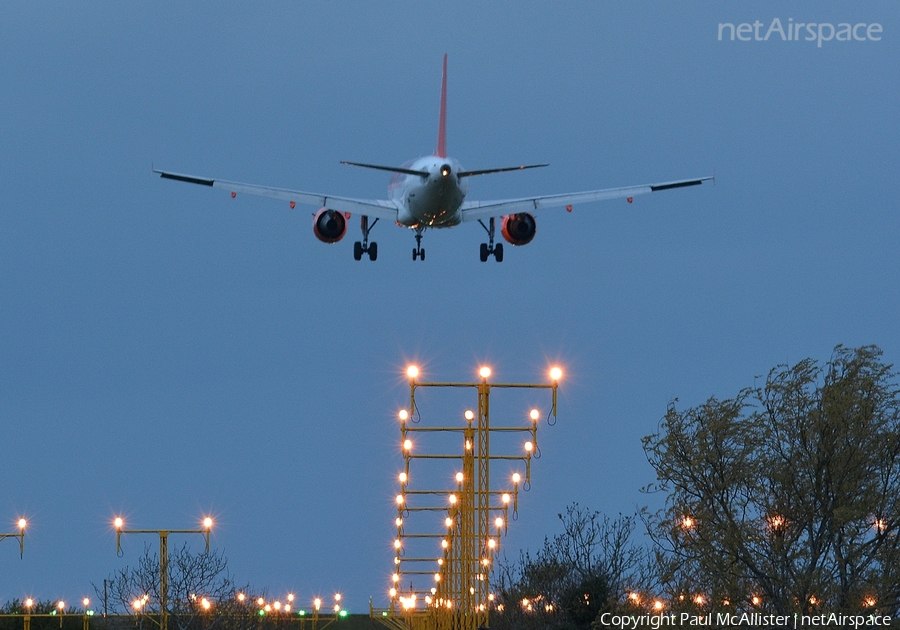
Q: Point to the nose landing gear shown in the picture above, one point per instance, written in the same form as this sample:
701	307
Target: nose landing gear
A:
365	247
419	251
489	249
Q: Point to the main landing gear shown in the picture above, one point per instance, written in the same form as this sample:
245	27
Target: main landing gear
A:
489	249
365	247
419	251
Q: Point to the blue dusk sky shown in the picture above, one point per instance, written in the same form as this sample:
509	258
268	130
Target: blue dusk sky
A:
168	352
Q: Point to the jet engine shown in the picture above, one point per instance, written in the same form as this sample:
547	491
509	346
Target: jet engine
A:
330	226
518	229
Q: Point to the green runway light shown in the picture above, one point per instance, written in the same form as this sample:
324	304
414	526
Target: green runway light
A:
343	613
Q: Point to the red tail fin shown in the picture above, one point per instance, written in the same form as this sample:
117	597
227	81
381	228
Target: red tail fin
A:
441	150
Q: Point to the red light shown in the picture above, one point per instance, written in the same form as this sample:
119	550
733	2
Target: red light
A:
293	205
233	194
630	199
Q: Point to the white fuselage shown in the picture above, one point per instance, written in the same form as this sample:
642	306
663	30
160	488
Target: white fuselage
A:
429	202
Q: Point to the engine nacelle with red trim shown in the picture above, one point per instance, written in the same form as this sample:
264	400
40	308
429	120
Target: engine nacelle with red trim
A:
518	229
330	226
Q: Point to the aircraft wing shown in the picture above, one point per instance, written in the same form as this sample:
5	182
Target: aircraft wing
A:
475	210
381	209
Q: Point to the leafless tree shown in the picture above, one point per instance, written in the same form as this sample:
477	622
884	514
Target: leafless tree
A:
201	592
588	568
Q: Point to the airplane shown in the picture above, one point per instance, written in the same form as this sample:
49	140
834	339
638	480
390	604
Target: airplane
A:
430	192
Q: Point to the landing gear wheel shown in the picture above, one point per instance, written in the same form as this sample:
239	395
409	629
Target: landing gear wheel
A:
365	247
489	249
418	251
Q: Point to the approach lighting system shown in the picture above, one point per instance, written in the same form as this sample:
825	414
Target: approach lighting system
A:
460	547
163	534
20	535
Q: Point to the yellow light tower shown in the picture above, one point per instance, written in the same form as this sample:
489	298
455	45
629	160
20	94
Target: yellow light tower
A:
441	579
21	536
163	534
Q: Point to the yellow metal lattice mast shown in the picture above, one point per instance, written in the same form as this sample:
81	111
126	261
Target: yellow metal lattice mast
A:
458	596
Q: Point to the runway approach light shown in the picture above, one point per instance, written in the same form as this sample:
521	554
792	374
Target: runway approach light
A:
555	373
484	372
22	523
412	371
118	522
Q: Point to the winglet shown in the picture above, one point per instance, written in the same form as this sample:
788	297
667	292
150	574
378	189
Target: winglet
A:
441	150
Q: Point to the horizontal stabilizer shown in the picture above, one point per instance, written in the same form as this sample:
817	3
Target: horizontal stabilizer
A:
499	170
393	169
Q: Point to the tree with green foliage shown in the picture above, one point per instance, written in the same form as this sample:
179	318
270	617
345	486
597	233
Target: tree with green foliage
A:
785	498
